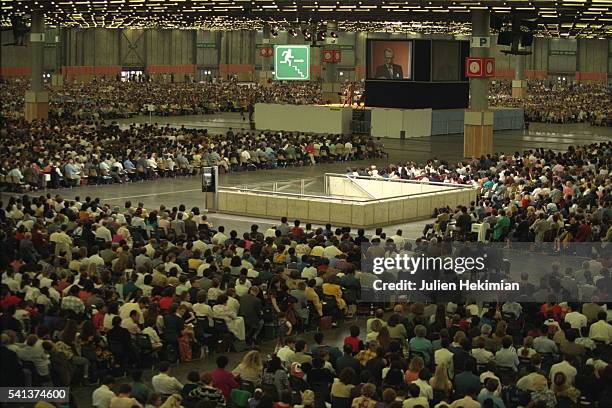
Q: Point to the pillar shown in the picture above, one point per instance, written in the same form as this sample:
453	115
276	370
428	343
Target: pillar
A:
36	98
331	79
478	120
519	85
266	61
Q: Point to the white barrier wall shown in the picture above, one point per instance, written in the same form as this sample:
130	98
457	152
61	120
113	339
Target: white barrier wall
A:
390	123
364	214
303	118
359	188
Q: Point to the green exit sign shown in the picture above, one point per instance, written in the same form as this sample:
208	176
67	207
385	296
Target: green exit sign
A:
292	62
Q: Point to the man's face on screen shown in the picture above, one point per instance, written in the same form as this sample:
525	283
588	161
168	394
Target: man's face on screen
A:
388	56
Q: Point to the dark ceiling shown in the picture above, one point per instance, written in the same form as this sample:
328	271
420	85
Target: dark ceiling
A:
581	18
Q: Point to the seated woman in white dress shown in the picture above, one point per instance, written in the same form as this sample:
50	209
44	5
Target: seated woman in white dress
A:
235	323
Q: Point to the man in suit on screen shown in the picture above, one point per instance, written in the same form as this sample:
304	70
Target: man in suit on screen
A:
389	70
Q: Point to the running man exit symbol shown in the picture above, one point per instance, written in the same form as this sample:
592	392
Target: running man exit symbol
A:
292	62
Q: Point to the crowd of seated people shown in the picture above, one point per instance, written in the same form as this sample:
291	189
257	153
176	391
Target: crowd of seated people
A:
67	150
91	291
450	356
546	101
535	196
67	154
110	287
557	102
109	99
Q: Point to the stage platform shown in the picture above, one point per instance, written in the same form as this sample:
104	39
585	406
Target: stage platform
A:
382	122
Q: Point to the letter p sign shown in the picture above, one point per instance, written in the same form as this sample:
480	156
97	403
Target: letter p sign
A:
480	42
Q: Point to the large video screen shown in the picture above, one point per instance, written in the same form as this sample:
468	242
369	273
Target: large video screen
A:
390	60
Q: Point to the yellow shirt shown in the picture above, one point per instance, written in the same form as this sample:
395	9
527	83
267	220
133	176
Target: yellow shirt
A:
317	251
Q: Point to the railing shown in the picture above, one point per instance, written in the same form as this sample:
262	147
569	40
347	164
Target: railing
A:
278	185
275	190
417	182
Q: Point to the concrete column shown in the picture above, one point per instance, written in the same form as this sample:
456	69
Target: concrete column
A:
36	98
266	61
479	86
478	120
331	80
519	85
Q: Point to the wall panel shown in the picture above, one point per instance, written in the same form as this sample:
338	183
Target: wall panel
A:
238	48
592	55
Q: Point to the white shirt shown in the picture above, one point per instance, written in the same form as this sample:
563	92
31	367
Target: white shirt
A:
164	384
426	389
104	233
285	353
576	319
219	238
482	356
12	284
309	272
242	289
203	310
398	240
565	368
107	323
96	260
153	336
601	331
331	252
102	396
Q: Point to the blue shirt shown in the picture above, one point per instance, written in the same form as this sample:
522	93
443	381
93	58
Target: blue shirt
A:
128	165
486	394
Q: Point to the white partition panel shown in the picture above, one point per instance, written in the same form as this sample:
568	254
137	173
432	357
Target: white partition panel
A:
417	122
303	118
390	123
378	122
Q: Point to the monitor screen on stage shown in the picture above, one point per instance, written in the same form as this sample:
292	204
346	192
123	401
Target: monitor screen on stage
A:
390	60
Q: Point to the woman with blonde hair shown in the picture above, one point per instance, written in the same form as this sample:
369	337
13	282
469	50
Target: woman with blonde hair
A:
122	265
250	368
500	333
91	269
457	339
376	326
441	384
308	400
527	351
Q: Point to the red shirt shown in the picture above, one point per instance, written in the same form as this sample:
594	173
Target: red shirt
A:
84	295
9	301
98	321
224	381
555	309
61	285
354	342
165	302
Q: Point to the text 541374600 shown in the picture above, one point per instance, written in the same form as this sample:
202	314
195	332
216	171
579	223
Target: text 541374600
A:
34	394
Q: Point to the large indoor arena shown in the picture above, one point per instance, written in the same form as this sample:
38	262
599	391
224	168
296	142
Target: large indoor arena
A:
306	204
